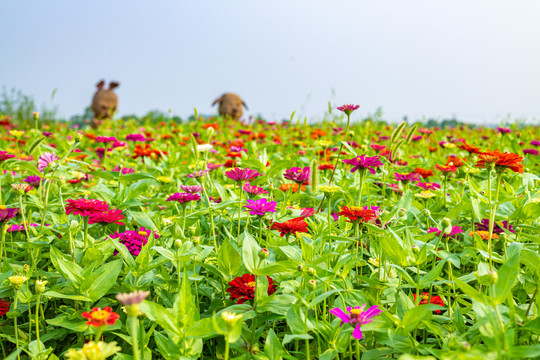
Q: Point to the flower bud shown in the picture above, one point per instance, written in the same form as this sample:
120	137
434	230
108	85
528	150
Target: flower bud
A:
79	136
16	281
196	240
416	248
300	267
26	269
493	277
402	212
312	272
40	286
230	318
263	254
312	284
36	115
177	243
426	212
446	222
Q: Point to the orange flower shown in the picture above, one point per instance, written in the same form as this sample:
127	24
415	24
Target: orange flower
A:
470	149
445	169
213	125
293	187
293	226
354	214
502	161
454	161
100	317
425	173
484	234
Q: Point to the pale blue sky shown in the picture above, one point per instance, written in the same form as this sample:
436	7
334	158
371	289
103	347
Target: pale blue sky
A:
477	60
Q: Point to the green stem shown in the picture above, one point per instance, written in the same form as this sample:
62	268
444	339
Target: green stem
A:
226	350
15	323
134	340
492	210
2	242
37	321
86	218
239	209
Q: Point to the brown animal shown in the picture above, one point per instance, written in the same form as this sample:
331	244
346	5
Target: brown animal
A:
230	105
104	102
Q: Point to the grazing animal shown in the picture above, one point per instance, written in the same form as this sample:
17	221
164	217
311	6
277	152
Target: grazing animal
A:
230	105
104	102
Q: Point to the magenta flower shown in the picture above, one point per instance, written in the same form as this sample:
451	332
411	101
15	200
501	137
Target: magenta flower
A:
7	213
45	159
428	185
198	174
5	156
133	240
184	197
33	180
364	162
260	206
241	175
484	226
192	189
135	137
105	139
504	130
356	317
113	216
212	166
535	143
348	109
530	151
123	170
254	190
19	228
406	177
85	207
298	175
452	234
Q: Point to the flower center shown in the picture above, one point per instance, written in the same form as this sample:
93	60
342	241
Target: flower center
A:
3	207
251	284
356	312
355	208
100	315
425	297
142	233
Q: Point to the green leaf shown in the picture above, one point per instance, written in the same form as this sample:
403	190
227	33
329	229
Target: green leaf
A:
272	346
184	307
68	269
414	316
106	279
229	260
57	295
142	219
430	277
471	292
250	253
507	274
162	316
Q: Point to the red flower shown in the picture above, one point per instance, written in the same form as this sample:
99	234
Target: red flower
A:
242	288
470	148
100	317
505	160
445	169
326	167
292	226
4	307
425	173
354	214
435	299
107	217
85	207
146	151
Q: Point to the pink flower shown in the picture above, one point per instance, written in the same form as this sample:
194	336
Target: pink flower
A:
406	177
428	185
298	175
192	189
135	137
260	206
105	139
184	197
356	317
45	159
453	232
133	240
198	174
348	109
241	175
364	162
530	151
107	217
85	207
254	190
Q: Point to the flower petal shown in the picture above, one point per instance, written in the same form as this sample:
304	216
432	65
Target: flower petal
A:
340	314
357	333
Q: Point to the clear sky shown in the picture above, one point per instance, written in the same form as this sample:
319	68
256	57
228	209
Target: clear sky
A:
477	60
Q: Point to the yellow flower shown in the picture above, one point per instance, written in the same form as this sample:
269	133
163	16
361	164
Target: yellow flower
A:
329	189
376	262
324	143
93	351
17	280
164	179
17	133
425	195
167	221
449	145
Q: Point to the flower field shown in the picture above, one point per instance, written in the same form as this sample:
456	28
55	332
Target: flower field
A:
221	239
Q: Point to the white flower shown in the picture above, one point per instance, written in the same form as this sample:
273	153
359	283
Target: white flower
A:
204	147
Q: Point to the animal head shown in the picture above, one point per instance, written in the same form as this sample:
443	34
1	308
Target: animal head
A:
105	102
230	105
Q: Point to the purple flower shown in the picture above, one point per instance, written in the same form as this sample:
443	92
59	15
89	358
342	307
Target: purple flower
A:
135	137
241	175
18	228
298	175
504	130
47	134
364	162
428	185
212	166
133	240
7	213
535	143
33	180
356	317
406	177
348	109
5	156
455	230
45	159
184	197
484	226
254	190
192	189
198	174
260	206
530	151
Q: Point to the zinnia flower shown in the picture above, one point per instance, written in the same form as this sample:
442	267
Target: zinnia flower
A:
435	299
293	226
4	307
533	143
242	288
502	161
530	151
425	173
354	214
298	175
406	177
7	213
453	232
254	190
348	108
364	162
93	351
133	298
100	317
33	180
356	317
260	206
106	217
241	175
428	185
4	155
446	169
134	240
85	207
46	159
483	225
135	137
184	197
504	130
192	189
484	235
198	174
